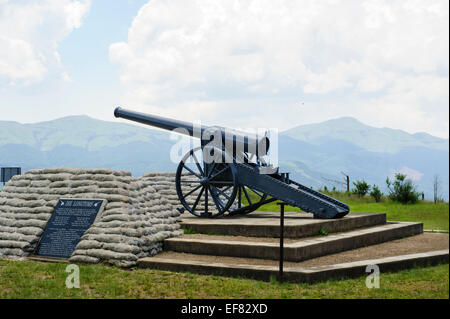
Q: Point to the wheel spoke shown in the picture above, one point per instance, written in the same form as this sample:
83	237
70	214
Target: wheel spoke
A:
246	195
239	197
192	191
256	193
219	209
198	199
190	181
190	170
227	188
221	191
221	202
212	169
220	172
197	163
222	182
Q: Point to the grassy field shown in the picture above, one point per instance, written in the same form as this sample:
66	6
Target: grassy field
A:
29	279
433	216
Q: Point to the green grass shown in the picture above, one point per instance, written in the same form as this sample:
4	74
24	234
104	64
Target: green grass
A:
30	279
189	231
433	216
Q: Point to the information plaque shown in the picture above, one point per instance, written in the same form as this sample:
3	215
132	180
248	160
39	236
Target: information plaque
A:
70	219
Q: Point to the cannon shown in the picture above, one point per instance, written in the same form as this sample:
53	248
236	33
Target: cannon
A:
228	174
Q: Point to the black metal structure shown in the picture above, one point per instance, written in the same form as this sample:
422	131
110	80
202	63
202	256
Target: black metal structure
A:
230	165
8	172
281	257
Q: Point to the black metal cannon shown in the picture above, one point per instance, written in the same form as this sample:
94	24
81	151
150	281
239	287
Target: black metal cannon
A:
228	173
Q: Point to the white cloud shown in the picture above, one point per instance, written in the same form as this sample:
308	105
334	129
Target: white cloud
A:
410	173
29	35
385	62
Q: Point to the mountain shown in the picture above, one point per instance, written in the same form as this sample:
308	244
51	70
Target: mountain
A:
314	154
384	140
81	141
78	131
366	153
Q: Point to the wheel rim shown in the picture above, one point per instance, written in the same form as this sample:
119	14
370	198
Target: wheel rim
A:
205	190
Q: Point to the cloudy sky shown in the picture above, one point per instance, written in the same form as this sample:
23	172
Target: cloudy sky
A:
252	63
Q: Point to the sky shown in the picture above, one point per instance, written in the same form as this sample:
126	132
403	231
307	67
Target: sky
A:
254	63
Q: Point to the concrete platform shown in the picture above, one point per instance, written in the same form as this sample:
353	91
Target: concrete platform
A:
296	250
409	245
267	224
247	246
298	274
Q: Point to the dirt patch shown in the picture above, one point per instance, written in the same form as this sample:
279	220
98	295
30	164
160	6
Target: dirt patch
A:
411	245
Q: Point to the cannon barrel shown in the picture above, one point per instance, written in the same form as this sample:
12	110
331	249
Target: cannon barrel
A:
259	144
153	120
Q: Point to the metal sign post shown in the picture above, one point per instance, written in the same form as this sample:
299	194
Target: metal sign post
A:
281	239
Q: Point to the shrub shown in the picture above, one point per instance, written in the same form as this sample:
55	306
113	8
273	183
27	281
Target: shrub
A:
402	190
376	193
361	188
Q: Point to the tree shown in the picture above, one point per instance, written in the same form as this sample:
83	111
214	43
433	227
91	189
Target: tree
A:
402	190
376	193
361	188
436	189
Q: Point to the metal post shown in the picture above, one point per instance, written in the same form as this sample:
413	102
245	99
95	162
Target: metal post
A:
281	240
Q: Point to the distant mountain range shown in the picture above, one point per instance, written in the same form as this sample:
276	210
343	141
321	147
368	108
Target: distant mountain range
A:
315	154
380	140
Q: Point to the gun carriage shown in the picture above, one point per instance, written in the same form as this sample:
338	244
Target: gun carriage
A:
228	174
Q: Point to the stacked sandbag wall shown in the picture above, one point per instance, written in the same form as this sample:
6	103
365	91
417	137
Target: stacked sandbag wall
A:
164	183
136	219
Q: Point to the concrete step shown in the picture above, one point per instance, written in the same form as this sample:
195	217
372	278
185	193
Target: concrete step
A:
267	224
409	245
294	250
297	274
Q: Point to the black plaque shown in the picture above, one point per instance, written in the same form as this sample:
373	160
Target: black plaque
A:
70	219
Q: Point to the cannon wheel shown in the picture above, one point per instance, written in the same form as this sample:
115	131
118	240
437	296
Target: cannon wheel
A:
251	205
205	190
253	202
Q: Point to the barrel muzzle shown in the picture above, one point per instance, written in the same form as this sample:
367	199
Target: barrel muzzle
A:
117	111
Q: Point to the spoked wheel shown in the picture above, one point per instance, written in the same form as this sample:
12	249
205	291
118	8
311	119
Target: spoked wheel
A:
205	190
248	200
